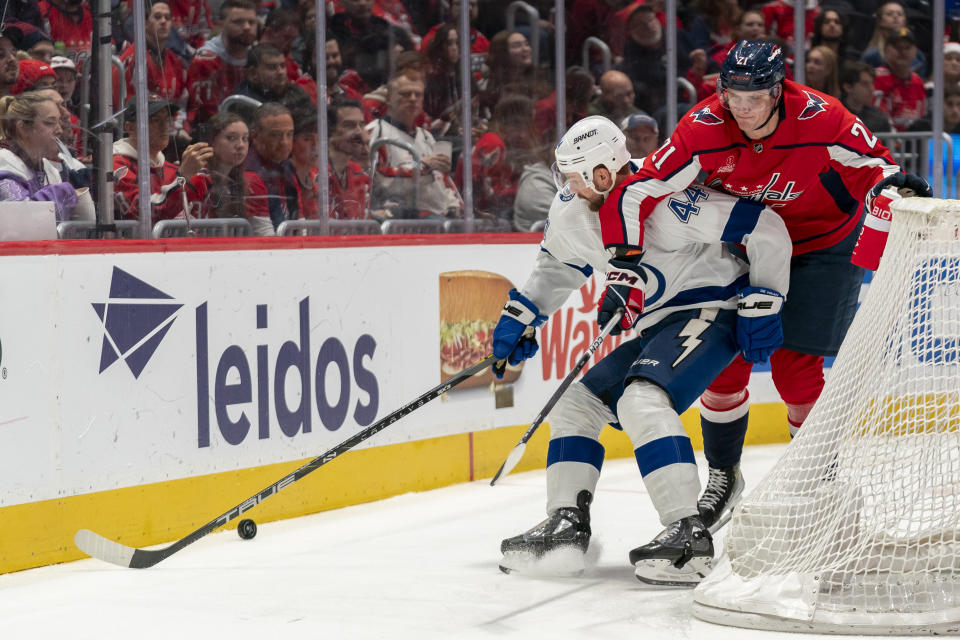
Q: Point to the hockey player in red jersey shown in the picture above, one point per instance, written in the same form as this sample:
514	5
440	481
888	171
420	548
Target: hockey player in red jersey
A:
803	154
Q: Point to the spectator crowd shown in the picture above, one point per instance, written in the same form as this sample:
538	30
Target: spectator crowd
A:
233	89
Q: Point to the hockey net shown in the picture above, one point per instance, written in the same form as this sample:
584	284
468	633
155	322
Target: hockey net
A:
857	528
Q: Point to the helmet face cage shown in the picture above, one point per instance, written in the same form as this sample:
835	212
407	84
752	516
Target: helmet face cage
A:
592	142
752	65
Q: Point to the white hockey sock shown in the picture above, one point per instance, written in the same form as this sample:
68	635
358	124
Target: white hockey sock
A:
575	455
663	450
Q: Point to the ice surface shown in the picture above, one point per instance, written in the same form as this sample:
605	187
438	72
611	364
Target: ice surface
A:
415	566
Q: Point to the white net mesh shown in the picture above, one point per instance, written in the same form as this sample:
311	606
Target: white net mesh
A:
857	528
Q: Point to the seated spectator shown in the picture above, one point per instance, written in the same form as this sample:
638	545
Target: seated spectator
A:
951	66
267	81
367	42
304	157
375	102
951	113
166	75
616	99
510	69
750	26
29	128
580	90
349	154
69	22
35	42
193	19
891	19
501	154
714	24
71	169
166	200
443	76
779	16
220	64
341	83
273	183
393	181
643	58
34	76
900	91
479	45
66	72
830	30
643	134
304	47
9	65
221	190
280	29
535	191
26	11
857	80
821	70
393	11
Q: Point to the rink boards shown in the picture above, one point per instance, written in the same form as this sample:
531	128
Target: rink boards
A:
147	387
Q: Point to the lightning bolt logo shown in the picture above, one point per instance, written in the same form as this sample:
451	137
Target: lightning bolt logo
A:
691	331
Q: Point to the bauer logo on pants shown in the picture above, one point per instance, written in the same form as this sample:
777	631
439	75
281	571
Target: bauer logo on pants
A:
135	317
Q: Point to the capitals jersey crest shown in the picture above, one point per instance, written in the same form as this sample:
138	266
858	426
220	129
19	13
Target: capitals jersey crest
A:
814	106
706	116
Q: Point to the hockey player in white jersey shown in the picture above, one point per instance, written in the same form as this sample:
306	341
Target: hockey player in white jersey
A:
681	296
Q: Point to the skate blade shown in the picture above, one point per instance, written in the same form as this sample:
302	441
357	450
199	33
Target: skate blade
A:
565	562
661	572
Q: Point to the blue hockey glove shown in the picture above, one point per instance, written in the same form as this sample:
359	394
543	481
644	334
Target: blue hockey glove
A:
759	330
625	282
903	181
514	339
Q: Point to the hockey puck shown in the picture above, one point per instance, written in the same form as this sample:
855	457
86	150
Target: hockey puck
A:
247	529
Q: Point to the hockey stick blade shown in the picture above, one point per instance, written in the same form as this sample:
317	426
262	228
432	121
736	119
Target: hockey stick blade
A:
96	546
517	453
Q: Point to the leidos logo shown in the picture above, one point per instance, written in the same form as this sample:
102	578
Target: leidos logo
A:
135	319
241	388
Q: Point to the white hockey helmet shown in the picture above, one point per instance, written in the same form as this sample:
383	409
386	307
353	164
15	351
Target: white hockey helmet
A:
592	142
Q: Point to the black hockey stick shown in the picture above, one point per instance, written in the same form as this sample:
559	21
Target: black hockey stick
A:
517	453
95	545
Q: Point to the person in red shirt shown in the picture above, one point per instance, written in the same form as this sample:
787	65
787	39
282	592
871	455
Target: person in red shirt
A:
779	16
900	92
166	76
803	154
280	29
341	83
501	154
479	44
222	190
193	19
69	22
349	151
220	64
166	178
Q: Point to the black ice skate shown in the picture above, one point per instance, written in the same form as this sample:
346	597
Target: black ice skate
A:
567	529
722	494
681	556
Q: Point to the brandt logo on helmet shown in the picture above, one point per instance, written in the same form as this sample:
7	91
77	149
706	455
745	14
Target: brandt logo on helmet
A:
584	136
135	319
